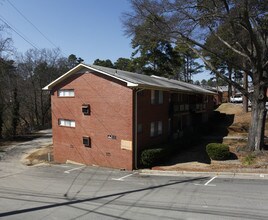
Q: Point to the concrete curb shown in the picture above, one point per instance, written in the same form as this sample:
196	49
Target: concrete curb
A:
219	174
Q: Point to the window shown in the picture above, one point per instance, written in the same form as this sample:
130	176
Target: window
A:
87	141
156	97
66	93
139	128
156	128
159	131
86	109
67	123
110	136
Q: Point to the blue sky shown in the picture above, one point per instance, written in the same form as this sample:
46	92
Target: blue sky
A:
90	29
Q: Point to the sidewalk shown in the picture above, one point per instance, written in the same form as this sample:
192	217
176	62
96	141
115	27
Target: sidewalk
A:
237	175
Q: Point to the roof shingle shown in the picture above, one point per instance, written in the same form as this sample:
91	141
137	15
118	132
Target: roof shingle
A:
135	80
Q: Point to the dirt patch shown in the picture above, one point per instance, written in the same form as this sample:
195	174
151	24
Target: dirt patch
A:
42	155
241	119
258	164
229	108
233	127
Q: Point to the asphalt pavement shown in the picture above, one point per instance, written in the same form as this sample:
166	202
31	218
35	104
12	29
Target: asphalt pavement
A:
67	191
80	192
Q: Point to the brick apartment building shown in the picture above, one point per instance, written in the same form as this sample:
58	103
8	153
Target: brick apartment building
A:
105	117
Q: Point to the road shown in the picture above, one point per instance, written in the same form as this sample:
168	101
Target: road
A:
78	192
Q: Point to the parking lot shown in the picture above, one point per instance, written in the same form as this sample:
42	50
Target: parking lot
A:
80	192
67	191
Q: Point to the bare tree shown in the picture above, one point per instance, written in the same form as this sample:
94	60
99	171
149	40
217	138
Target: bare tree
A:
191	22
37	68
6	78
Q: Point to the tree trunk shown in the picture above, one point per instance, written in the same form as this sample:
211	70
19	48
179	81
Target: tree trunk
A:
15	112
1	122
230	85
258	116
42	109
245	99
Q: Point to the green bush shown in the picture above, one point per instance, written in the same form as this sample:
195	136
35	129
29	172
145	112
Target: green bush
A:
150	156
217	151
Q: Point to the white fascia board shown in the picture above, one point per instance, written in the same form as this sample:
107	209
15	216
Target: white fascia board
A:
75	69
64	76
129	84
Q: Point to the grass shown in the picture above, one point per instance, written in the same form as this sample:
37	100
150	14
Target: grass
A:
248	160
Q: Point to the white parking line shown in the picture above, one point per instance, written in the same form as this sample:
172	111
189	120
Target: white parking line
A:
210	180
123	177
78	168
207	183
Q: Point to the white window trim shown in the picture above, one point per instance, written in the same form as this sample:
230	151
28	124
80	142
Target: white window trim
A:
66	123
66	93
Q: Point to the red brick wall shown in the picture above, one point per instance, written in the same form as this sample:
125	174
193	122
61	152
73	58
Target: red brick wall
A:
111	114
148	113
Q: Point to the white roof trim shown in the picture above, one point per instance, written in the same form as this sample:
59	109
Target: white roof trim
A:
129	84
63	77
72	71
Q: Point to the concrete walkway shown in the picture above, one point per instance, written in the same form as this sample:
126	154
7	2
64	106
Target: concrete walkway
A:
12	154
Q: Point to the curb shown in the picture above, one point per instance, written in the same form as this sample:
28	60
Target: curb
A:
218	174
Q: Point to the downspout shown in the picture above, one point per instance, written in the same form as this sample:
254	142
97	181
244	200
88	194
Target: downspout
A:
136	129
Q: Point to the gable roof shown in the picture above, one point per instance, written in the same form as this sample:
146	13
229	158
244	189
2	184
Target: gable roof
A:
134	80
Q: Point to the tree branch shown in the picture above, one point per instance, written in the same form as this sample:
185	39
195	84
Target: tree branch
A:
264	65
230	47
211	66
212	52
226	6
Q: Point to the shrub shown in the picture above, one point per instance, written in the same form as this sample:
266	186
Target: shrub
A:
217	151
150	156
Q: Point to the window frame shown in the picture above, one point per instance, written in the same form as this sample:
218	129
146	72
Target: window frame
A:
65	93
139	128
157	97
156	128
88	141
86	106
66	123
